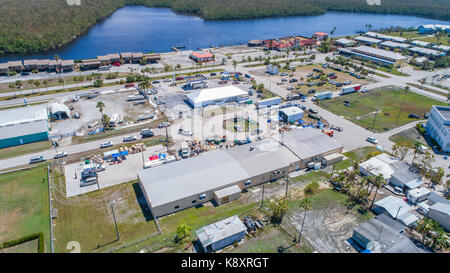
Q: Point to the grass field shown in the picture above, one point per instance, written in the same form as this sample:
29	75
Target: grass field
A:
427	89
363	106
24	149
434	40
392	71
411	135
406	34
24	204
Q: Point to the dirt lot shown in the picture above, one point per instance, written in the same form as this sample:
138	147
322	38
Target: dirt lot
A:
89	113
301	73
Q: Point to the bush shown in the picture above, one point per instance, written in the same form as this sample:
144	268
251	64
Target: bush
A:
311	188
420	128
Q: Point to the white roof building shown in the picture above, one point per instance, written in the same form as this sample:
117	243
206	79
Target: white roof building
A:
420	43
217	95
345	42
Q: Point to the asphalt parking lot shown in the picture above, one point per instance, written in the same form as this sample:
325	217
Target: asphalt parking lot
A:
112	175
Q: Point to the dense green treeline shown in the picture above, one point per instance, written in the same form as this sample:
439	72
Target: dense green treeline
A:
28	26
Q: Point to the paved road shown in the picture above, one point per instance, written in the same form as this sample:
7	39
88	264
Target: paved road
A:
70	149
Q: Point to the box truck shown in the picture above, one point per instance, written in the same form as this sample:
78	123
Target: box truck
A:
351	89
322	96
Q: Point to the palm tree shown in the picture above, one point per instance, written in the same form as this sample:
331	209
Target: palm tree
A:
19	85
183	231
424	227
100	106
378	182
417	146
13	88
145	84
37	83
306	204
438	236
234	65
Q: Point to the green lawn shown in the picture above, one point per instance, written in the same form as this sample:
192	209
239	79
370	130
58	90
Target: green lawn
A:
392	71
362	107
406	34
434	40
24	149
24	204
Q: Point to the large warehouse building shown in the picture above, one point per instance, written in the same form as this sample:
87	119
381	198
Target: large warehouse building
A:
220	175
217	95
23	125
380	56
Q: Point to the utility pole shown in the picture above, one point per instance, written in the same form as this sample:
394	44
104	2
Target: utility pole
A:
115	222
287	185
262	198
401	107
374	118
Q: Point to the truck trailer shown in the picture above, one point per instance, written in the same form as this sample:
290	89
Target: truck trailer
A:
351	89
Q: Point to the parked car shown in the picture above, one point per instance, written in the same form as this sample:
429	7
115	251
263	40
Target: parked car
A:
372	140
413	116
311	91
213	74
155	82
235	82
116	64
290	88
88	174
223	82
129	138
167	80
129	85
185	132
147	133
163	124
314	111
37	159
293	80
106	144
284	74
310	75
60	155
180	78
280	83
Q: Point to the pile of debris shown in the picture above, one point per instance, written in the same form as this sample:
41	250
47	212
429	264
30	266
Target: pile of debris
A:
136	148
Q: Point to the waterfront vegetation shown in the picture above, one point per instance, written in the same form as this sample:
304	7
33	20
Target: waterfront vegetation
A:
35	26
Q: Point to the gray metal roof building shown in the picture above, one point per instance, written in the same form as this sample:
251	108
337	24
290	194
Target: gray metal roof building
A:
381	238
221	234
186	183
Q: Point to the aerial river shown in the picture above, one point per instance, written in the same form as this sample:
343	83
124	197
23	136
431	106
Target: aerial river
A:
142	29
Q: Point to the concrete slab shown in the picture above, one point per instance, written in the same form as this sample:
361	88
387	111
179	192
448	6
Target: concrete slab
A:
111	176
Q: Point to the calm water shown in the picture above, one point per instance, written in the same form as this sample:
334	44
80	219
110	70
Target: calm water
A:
145	29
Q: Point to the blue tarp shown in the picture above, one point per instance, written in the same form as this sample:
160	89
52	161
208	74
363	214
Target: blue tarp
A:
123	153
367	251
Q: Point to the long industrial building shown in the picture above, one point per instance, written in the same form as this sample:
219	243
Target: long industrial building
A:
23	125
380	56
220	175
217	95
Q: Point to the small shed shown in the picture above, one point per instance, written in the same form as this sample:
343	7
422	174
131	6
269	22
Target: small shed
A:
291	114
221	234
227	194
418	195
332	159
